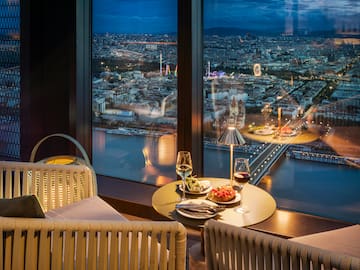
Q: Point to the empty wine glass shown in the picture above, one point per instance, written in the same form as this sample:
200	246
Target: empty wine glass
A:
241	177
183	168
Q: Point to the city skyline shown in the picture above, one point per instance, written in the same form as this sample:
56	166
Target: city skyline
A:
155	17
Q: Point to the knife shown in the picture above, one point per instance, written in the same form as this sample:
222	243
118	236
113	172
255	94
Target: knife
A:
193	213
204	208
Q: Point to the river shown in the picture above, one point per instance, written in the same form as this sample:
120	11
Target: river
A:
310	187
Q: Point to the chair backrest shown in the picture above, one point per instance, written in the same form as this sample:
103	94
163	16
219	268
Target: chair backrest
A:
228	247
54	185
79	244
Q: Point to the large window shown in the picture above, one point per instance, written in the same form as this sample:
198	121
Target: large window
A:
134	89
287	75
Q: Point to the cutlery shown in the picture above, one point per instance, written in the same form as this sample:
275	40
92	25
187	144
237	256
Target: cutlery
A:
197	214
200	208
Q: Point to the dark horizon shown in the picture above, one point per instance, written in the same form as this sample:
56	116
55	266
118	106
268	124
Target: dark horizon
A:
232	31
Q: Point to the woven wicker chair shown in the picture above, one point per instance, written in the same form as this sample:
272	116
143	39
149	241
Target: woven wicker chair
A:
33	243
54	185
228	248
75	244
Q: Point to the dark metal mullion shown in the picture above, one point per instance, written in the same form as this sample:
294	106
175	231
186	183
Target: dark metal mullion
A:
184	93
197	86
190	97
81	110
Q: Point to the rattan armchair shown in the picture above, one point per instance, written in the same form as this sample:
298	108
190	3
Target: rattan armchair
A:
78	244
54	185
229	248
42	243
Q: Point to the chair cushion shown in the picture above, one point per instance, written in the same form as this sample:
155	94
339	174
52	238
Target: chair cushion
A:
25	206
92	208
345	240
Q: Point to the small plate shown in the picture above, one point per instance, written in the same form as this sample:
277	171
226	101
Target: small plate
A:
195	215
264	131
235	200
288	134
206	190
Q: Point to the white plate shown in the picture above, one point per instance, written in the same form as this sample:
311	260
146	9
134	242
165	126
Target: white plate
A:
289	134
207	190
196	215
235	200
264	131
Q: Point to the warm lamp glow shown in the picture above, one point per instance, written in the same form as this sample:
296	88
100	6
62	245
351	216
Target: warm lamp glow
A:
283	218
146	156
162	180
267	180
61	161
167	150
231	136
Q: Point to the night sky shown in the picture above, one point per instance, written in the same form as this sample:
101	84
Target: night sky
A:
159	16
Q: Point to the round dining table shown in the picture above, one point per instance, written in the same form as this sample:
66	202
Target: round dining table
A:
258	203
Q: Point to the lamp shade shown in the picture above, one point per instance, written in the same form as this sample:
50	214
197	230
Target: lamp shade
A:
231	136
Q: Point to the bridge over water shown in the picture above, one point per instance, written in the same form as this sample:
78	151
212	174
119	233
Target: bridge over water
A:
262	162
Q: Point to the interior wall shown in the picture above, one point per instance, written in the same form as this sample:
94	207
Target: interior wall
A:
47	74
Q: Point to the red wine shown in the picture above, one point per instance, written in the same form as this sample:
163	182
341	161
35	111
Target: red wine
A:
241	177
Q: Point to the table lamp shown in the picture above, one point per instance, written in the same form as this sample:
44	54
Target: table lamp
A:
231	136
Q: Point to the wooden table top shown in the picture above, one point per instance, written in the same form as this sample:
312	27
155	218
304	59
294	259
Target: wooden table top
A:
261	205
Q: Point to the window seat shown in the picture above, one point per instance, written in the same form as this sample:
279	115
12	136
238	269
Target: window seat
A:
134	198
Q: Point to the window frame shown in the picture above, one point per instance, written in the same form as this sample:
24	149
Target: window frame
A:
80	107
190	81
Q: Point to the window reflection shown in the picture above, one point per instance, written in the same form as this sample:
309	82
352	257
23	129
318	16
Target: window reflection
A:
134	89
293	67
285	71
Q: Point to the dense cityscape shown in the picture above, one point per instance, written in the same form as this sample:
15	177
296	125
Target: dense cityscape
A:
289	82
313	81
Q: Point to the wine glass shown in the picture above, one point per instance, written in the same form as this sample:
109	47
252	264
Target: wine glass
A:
241	177
183	168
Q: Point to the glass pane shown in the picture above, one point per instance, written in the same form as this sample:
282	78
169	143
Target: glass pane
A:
10	79
286	74
134	89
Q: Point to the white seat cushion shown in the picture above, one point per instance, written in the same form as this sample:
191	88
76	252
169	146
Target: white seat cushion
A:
345	240
92	208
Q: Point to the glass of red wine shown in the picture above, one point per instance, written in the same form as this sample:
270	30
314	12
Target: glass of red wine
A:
241	177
